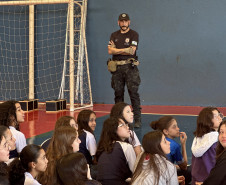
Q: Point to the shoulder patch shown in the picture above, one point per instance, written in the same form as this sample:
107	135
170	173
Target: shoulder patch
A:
134	43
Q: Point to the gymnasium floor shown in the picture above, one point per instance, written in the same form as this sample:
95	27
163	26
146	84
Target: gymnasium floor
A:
39	125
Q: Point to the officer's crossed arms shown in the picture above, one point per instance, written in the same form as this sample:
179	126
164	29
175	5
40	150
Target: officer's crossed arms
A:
112	50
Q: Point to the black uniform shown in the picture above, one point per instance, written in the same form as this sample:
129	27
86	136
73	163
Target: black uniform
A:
126	74
217	175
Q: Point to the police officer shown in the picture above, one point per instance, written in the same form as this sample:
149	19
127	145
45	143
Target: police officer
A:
122	46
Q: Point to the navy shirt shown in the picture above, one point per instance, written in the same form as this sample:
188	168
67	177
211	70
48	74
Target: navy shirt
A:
113	167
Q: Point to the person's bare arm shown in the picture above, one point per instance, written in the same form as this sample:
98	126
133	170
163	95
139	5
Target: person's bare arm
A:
183	139
137	150
112	50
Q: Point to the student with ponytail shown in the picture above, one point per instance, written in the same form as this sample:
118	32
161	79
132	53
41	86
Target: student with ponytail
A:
168	125
25	169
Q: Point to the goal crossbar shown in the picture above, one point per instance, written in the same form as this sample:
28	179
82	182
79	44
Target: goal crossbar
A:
36	2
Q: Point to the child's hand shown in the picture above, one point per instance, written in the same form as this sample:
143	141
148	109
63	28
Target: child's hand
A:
183	137
181	180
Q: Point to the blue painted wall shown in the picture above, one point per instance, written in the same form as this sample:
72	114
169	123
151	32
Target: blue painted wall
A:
181	49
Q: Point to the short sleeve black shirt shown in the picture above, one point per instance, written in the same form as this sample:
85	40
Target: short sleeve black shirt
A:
124	40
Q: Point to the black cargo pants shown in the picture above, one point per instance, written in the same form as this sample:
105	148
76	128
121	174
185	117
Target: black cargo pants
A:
127	75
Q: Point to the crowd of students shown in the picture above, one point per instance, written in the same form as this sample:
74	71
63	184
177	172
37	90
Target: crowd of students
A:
72	155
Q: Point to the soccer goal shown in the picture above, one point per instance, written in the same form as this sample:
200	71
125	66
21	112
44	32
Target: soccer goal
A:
43	53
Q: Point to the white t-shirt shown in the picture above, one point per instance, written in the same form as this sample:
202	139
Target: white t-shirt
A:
29	179
20	139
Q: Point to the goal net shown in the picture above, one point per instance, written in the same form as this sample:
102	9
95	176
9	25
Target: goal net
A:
51	53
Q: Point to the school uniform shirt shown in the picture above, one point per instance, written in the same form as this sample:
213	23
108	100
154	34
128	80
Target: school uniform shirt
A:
175	152
20	139
135	141
218	173
115	167
13	154
168	173
29	179
203	156
88	145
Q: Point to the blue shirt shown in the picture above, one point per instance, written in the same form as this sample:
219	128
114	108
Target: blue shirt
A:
175	153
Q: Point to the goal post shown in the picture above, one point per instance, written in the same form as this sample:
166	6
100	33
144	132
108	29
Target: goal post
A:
31	52
46	61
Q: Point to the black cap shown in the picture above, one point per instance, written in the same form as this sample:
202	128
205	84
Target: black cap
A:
123	16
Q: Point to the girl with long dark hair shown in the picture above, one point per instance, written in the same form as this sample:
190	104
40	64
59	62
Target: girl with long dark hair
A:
115	155
218	174
123	111
73	169
204	143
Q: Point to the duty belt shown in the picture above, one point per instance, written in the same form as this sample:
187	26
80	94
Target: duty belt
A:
129	61
112	64
122	62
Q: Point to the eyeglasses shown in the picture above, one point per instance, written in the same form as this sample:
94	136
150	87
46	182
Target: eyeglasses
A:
123	125
219	115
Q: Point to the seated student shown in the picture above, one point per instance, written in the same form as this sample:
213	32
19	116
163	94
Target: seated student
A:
217	175
168	125
66	121
115	156
11	115
64	141
4	155
9	138
86	125
24	170
152	167
123	111
73	169
204	143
